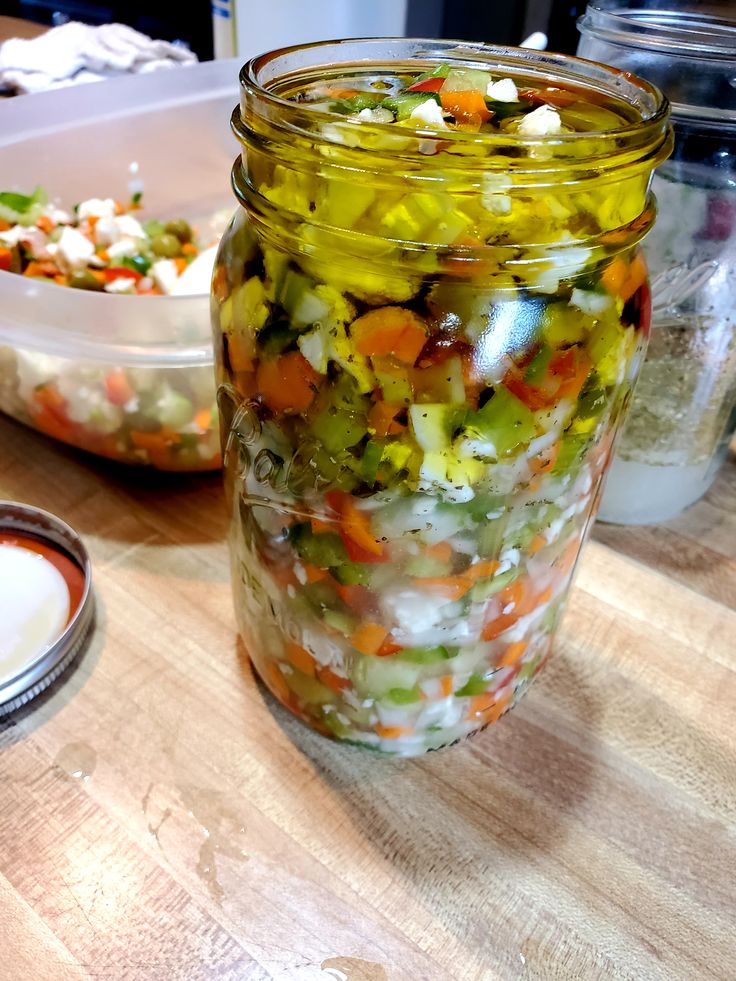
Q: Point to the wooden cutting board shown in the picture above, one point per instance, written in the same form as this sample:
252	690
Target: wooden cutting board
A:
160	818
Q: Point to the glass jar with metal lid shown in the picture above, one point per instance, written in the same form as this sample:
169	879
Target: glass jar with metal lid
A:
682	416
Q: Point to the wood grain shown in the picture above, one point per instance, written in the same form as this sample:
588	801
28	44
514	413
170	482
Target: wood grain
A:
163	819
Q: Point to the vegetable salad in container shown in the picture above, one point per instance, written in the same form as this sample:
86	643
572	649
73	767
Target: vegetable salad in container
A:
109	221
428	312
165	419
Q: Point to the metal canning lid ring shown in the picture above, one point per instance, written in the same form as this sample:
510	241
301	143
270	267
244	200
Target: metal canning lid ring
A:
38	670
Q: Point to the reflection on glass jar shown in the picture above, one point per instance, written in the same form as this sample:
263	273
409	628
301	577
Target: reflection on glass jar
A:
425	334
682	414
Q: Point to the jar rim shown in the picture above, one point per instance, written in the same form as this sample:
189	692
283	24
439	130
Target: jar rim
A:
652	105
667	31
293	135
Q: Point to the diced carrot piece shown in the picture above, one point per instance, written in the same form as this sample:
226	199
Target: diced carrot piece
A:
189	248
333	681
358	598
487	708
49	423
480	704
517	595
390	331
636	278
357	525
573	371
203	419
512	654
494	713
45	223
544	597
314	573
117	387
160	440
442	551
513	607
517	599
48	411
51	398
5	226
546	460
481	570
393	732
35	268
5	258
536	544
287	384
382	419
614	276
181	264
220	287
275	681
355	529
466	107
467	266
340	92
240	351
104	255
447	685
300	658
368	638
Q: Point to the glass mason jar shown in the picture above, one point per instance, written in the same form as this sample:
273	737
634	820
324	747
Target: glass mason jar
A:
424	341
682	415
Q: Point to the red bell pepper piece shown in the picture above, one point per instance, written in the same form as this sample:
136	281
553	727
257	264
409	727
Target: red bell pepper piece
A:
427	85
120	272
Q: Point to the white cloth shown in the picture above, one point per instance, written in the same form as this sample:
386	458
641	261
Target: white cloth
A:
76	53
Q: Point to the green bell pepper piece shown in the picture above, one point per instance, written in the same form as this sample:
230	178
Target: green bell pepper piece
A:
325	550
504	420
404	104
403	696
475	685
425	655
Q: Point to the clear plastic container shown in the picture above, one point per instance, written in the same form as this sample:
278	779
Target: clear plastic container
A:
682	414
425	338
59	346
